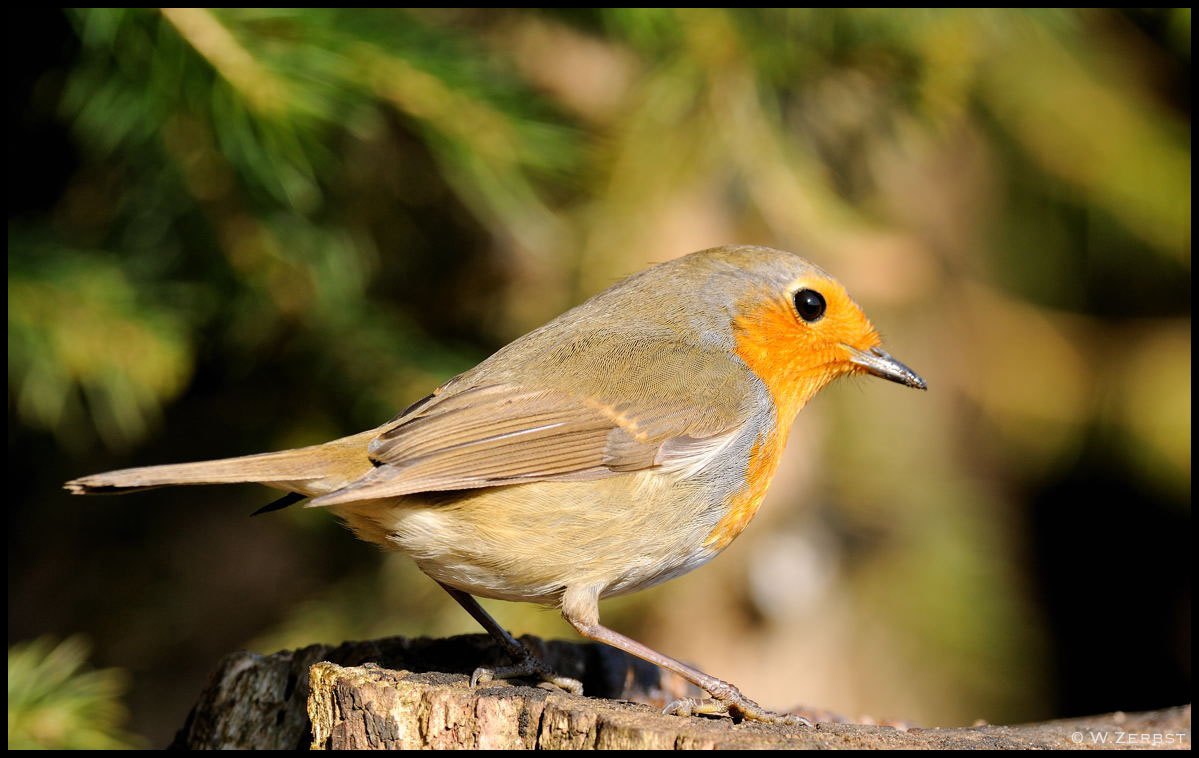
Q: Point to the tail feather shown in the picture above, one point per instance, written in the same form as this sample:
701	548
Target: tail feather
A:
338	461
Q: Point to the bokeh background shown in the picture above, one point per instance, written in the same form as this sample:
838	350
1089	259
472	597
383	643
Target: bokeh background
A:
233	231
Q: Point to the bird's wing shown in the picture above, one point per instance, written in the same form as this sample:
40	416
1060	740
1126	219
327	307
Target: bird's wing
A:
491	435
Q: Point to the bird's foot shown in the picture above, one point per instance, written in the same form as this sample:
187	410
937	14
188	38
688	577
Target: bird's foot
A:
531	667
734	705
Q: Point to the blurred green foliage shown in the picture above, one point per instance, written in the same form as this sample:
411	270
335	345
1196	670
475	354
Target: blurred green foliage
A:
275	226
216	145
56	703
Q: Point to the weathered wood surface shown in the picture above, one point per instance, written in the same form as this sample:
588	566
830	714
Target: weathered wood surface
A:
400	693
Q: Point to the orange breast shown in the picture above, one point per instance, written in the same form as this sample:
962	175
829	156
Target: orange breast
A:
763	460
794	368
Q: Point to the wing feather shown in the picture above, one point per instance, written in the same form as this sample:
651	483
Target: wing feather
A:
653	404
496	435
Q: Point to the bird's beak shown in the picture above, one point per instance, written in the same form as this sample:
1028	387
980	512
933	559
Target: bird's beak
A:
880	363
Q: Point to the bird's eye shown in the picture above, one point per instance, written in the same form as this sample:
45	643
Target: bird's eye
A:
810	305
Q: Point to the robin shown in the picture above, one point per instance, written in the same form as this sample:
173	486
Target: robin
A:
624	443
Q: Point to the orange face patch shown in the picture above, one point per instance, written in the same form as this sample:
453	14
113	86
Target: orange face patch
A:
795	360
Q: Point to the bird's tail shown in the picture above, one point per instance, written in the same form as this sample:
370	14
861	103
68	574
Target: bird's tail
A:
313	470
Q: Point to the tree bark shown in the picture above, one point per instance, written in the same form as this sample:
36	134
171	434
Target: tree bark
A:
402	693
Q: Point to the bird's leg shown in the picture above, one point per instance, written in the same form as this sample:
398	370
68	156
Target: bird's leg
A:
525	664
581	610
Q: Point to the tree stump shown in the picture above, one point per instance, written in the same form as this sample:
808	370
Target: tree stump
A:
415	693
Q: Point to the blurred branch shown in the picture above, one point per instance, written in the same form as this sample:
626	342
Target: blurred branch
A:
208	36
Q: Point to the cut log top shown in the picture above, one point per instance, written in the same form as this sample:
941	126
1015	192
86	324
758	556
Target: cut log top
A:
415	693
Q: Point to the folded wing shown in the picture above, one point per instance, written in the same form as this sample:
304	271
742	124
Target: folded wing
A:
493	435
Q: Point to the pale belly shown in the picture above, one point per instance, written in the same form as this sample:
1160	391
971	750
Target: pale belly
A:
530	542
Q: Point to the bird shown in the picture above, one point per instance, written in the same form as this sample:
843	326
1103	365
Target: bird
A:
620	445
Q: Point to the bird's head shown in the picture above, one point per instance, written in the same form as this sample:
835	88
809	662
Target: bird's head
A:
796	327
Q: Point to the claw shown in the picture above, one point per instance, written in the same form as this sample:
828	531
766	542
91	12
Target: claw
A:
567	684
740	708
481	676
694	706
529	667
